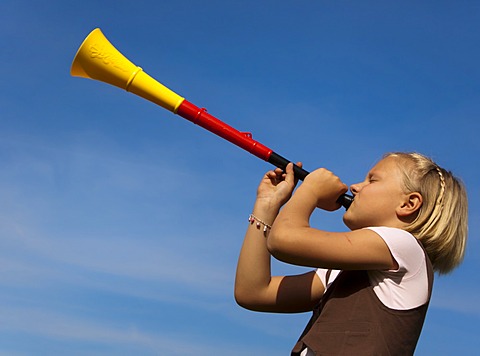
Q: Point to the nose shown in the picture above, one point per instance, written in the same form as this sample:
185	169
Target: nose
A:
356	188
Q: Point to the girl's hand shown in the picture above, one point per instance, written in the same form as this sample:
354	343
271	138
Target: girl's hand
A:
276	187
326	187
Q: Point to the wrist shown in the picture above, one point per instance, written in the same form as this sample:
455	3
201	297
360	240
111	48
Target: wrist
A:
267	206
299	208
266	211
306	195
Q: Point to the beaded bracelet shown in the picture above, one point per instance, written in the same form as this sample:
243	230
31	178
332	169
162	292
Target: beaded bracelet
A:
252	218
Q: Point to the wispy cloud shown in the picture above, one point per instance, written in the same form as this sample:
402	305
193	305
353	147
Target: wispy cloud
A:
47	251
90	335
161	253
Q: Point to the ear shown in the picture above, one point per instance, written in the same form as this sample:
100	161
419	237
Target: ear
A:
410	205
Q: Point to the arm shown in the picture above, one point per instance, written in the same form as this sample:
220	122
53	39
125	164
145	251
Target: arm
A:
255	288
292	240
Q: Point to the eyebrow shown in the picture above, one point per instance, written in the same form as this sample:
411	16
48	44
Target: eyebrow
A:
373	172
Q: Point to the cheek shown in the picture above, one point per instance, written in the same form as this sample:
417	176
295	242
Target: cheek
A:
369	213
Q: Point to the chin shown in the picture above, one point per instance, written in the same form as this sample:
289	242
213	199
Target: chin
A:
349	223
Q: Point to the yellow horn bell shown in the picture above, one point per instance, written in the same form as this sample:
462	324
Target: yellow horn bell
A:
98	59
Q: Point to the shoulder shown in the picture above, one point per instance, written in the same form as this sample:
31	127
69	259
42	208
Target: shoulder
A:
386	232
404	247
396	238
407	286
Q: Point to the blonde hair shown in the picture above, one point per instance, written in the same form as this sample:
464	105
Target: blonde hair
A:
441	223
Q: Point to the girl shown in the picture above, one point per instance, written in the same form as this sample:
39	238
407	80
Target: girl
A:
371	290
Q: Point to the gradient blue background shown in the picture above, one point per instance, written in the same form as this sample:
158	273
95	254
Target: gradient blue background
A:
120	223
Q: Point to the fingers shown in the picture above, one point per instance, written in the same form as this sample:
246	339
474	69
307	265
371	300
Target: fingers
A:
288	174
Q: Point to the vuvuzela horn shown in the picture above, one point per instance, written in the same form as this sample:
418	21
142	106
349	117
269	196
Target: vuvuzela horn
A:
98	59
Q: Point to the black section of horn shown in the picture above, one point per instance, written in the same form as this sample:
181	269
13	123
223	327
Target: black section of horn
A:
345	200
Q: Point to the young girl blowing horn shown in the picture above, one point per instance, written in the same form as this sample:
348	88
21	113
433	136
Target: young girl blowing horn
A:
372	285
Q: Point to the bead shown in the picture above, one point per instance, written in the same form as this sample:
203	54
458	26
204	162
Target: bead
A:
253	219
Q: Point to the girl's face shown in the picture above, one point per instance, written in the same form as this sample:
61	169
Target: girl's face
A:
377	197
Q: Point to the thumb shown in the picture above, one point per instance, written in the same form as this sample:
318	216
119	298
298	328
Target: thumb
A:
290	174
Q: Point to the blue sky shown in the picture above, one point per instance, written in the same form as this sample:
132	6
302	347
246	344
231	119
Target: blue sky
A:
121	223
